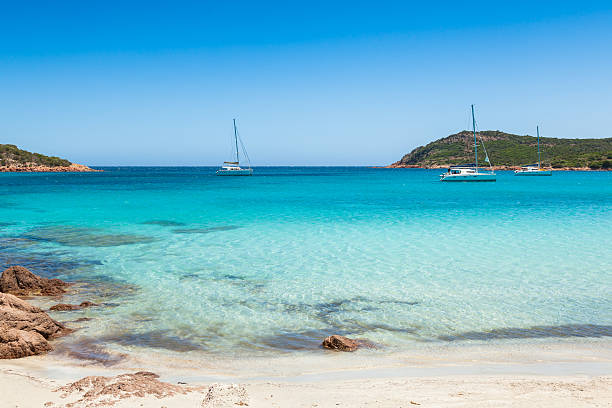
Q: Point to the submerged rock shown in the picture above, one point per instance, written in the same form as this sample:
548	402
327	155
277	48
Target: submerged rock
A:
25	329
18	280
83	237
340	343
65	306
89	350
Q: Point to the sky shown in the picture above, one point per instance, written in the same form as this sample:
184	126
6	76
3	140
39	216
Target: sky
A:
310	83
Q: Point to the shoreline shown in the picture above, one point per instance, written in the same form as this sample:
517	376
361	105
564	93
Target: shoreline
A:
567	371
495	168
73	168
572	373
555	372
459	358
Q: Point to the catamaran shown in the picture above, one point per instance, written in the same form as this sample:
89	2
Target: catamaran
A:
470	172
232	168
534	169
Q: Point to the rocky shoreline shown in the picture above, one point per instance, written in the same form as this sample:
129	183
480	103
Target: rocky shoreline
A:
547	375
26	330
36	168
510	168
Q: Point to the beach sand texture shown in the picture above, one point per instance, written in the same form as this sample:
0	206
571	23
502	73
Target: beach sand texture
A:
545	375
229	304
21	391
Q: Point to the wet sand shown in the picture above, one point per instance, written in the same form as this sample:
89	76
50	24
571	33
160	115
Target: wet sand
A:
519	375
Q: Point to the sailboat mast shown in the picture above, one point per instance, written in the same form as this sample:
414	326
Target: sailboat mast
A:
475	144
538	131
236	141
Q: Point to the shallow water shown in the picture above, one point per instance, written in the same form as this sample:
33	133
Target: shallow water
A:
183	260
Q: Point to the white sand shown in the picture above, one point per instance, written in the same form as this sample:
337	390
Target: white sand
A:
542	375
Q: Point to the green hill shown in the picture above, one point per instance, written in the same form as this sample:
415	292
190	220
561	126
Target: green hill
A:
11	155
506	149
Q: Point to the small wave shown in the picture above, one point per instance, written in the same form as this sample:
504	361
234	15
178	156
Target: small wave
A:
534	332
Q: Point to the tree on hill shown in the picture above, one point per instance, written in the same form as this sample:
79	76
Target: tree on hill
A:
11	155
506	149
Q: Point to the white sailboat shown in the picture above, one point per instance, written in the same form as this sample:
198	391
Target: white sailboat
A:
232	168
470	172
534	169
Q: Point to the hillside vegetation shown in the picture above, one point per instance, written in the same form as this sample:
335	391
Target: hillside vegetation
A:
506	149
11	155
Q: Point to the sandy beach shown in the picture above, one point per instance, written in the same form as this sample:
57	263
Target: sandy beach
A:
576	374
181	304
209	204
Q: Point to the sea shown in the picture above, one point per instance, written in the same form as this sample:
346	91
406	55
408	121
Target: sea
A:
179	260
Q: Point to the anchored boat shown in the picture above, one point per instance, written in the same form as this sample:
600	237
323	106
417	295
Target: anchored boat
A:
232	168
470	172
534	169
467	172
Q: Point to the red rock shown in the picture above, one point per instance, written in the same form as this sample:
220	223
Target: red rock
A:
25	329
340	343
96	391
18	280
37	168
20	343
64	306
60	307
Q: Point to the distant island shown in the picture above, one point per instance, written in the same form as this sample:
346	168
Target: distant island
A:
14	159
508	151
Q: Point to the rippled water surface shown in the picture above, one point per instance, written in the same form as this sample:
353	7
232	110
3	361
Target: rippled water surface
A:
182	260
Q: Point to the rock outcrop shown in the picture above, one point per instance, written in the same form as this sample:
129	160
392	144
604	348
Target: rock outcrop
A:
65	307
36	168
20	343
340	343
25	329
14	159
97	391
19	281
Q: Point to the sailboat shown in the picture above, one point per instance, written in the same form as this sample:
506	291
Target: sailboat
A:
534	169
232	168
470	172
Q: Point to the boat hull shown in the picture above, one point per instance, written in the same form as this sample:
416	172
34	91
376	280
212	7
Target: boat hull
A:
533	173
241	172
469	177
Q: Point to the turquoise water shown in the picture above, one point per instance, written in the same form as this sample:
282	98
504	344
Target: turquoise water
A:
181	260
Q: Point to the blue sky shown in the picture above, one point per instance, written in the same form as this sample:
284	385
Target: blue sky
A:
311	83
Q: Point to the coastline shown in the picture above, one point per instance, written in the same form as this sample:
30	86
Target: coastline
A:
73	168
572	373
524	369
501	168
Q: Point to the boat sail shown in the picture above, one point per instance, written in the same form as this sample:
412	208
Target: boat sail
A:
232	168
470	172
534	169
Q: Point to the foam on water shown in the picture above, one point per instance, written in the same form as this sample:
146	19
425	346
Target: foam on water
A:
280	259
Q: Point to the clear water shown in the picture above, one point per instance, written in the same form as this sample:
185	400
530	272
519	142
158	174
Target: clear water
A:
182	260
